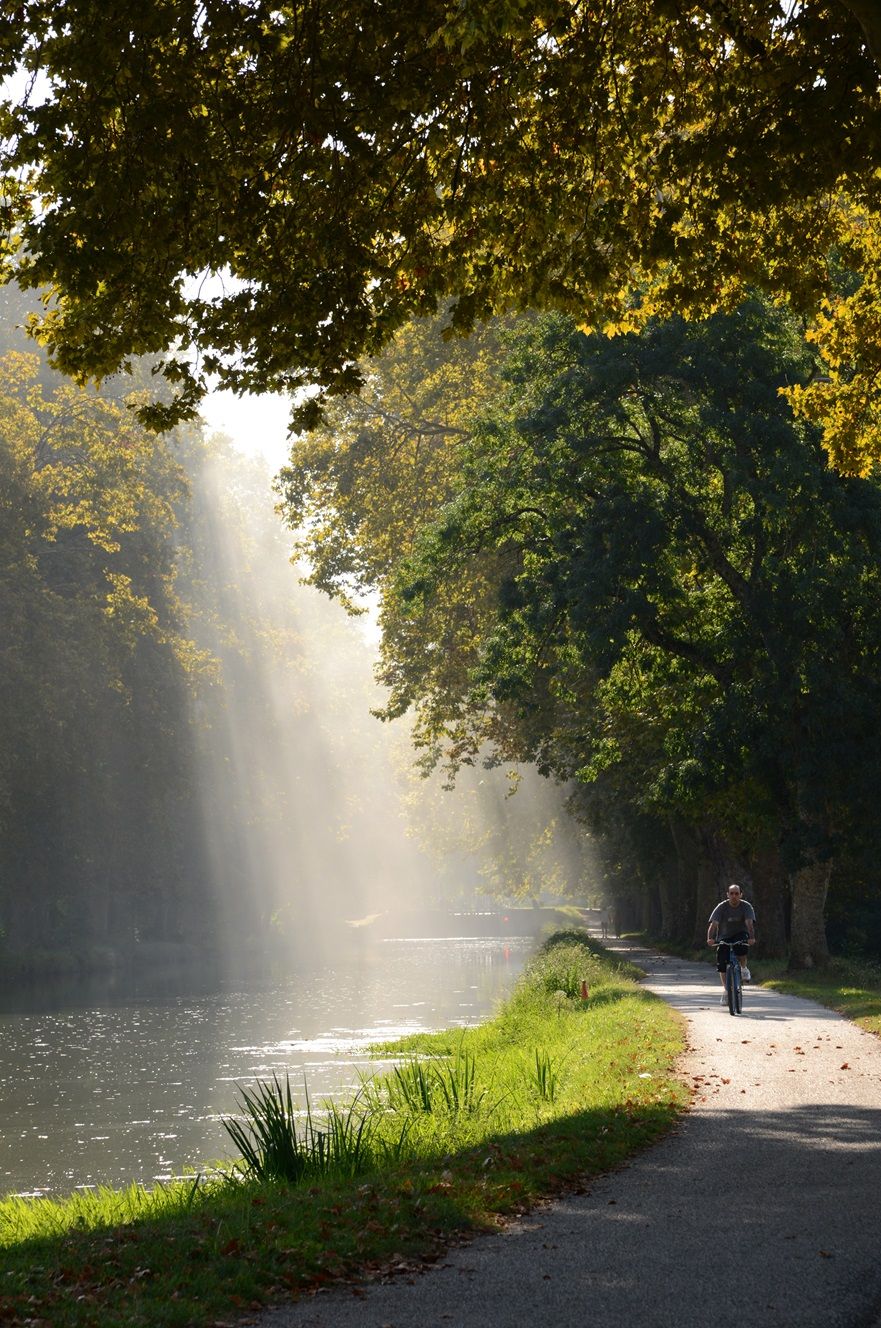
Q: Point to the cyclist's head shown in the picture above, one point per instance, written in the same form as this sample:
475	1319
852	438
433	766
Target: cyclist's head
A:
734	892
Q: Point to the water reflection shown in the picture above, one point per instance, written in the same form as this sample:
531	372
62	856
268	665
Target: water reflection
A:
134	1087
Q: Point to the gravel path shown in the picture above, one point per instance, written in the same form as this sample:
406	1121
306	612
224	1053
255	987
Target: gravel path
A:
787	1100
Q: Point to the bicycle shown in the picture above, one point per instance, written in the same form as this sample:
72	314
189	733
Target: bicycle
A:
733	978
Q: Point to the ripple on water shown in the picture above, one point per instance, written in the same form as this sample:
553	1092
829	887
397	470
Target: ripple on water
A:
96	1095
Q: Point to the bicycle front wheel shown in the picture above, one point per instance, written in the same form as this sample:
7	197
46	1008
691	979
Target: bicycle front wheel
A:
738	989
731	989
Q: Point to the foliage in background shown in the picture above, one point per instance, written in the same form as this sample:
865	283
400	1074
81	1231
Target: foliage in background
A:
640	576
94	780
187	747
502	833
362	486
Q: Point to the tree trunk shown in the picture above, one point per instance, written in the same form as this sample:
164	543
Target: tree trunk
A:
706	895
718	866
677	894
650	909
810	885
769	900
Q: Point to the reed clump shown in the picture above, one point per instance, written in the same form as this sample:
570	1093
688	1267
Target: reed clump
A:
277	1142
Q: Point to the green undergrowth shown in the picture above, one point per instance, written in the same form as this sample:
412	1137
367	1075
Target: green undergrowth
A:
469	1127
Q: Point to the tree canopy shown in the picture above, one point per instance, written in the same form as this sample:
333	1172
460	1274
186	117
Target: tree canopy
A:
340	168
636	571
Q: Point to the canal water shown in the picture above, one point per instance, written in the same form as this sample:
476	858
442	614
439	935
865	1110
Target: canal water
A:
109	1086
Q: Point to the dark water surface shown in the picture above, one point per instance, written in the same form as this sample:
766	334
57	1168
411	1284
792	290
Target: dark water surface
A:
133	1084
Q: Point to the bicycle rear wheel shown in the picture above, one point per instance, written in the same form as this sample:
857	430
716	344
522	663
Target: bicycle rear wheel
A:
731	988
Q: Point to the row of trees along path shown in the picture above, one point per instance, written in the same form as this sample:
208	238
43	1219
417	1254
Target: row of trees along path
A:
622	560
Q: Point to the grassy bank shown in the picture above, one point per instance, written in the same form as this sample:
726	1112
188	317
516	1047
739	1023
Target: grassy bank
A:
473	1126
851	987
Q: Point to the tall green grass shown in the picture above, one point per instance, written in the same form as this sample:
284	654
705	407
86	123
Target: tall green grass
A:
525	1066
437	1087
469	1125
277	1143
25	1219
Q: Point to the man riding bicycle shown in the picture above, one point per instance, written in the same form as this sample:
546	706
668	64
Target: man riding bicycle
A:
732	926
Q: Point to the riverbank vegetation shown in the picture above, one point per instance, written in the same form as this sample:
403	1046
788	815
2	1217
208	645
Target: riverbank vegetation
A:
474	1125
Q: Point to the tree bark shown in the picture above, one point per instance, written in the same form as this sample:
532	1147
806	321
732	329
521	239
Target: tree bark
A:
707	893
719	865
650	909
810	885
769	900
677	895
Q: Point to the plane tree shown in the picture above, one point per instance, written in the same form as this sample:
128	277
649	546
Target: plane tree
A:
641	575
95	785
341	168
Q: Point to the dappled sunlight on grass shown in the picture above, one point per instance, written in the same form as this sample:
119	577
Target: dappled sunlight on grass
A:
848	986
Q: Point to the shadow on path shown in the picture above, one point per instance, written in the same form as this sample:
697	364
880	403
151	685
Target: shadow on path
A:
770	1186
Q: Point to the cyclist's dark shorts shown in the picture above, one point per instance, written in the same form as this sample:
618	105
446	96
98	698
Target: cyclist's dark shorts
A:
737	943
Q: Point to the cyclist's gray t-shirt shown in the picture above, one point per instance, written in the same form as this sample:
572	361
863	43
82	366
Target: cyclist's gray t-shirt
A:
732	918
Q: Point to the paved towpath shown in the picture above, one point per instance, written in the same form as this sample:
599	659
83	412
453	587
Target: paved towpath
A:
788	1098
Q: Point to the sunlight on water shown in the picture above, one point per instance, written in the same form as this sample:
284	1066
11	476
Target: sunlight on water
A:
136	1089
315	828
